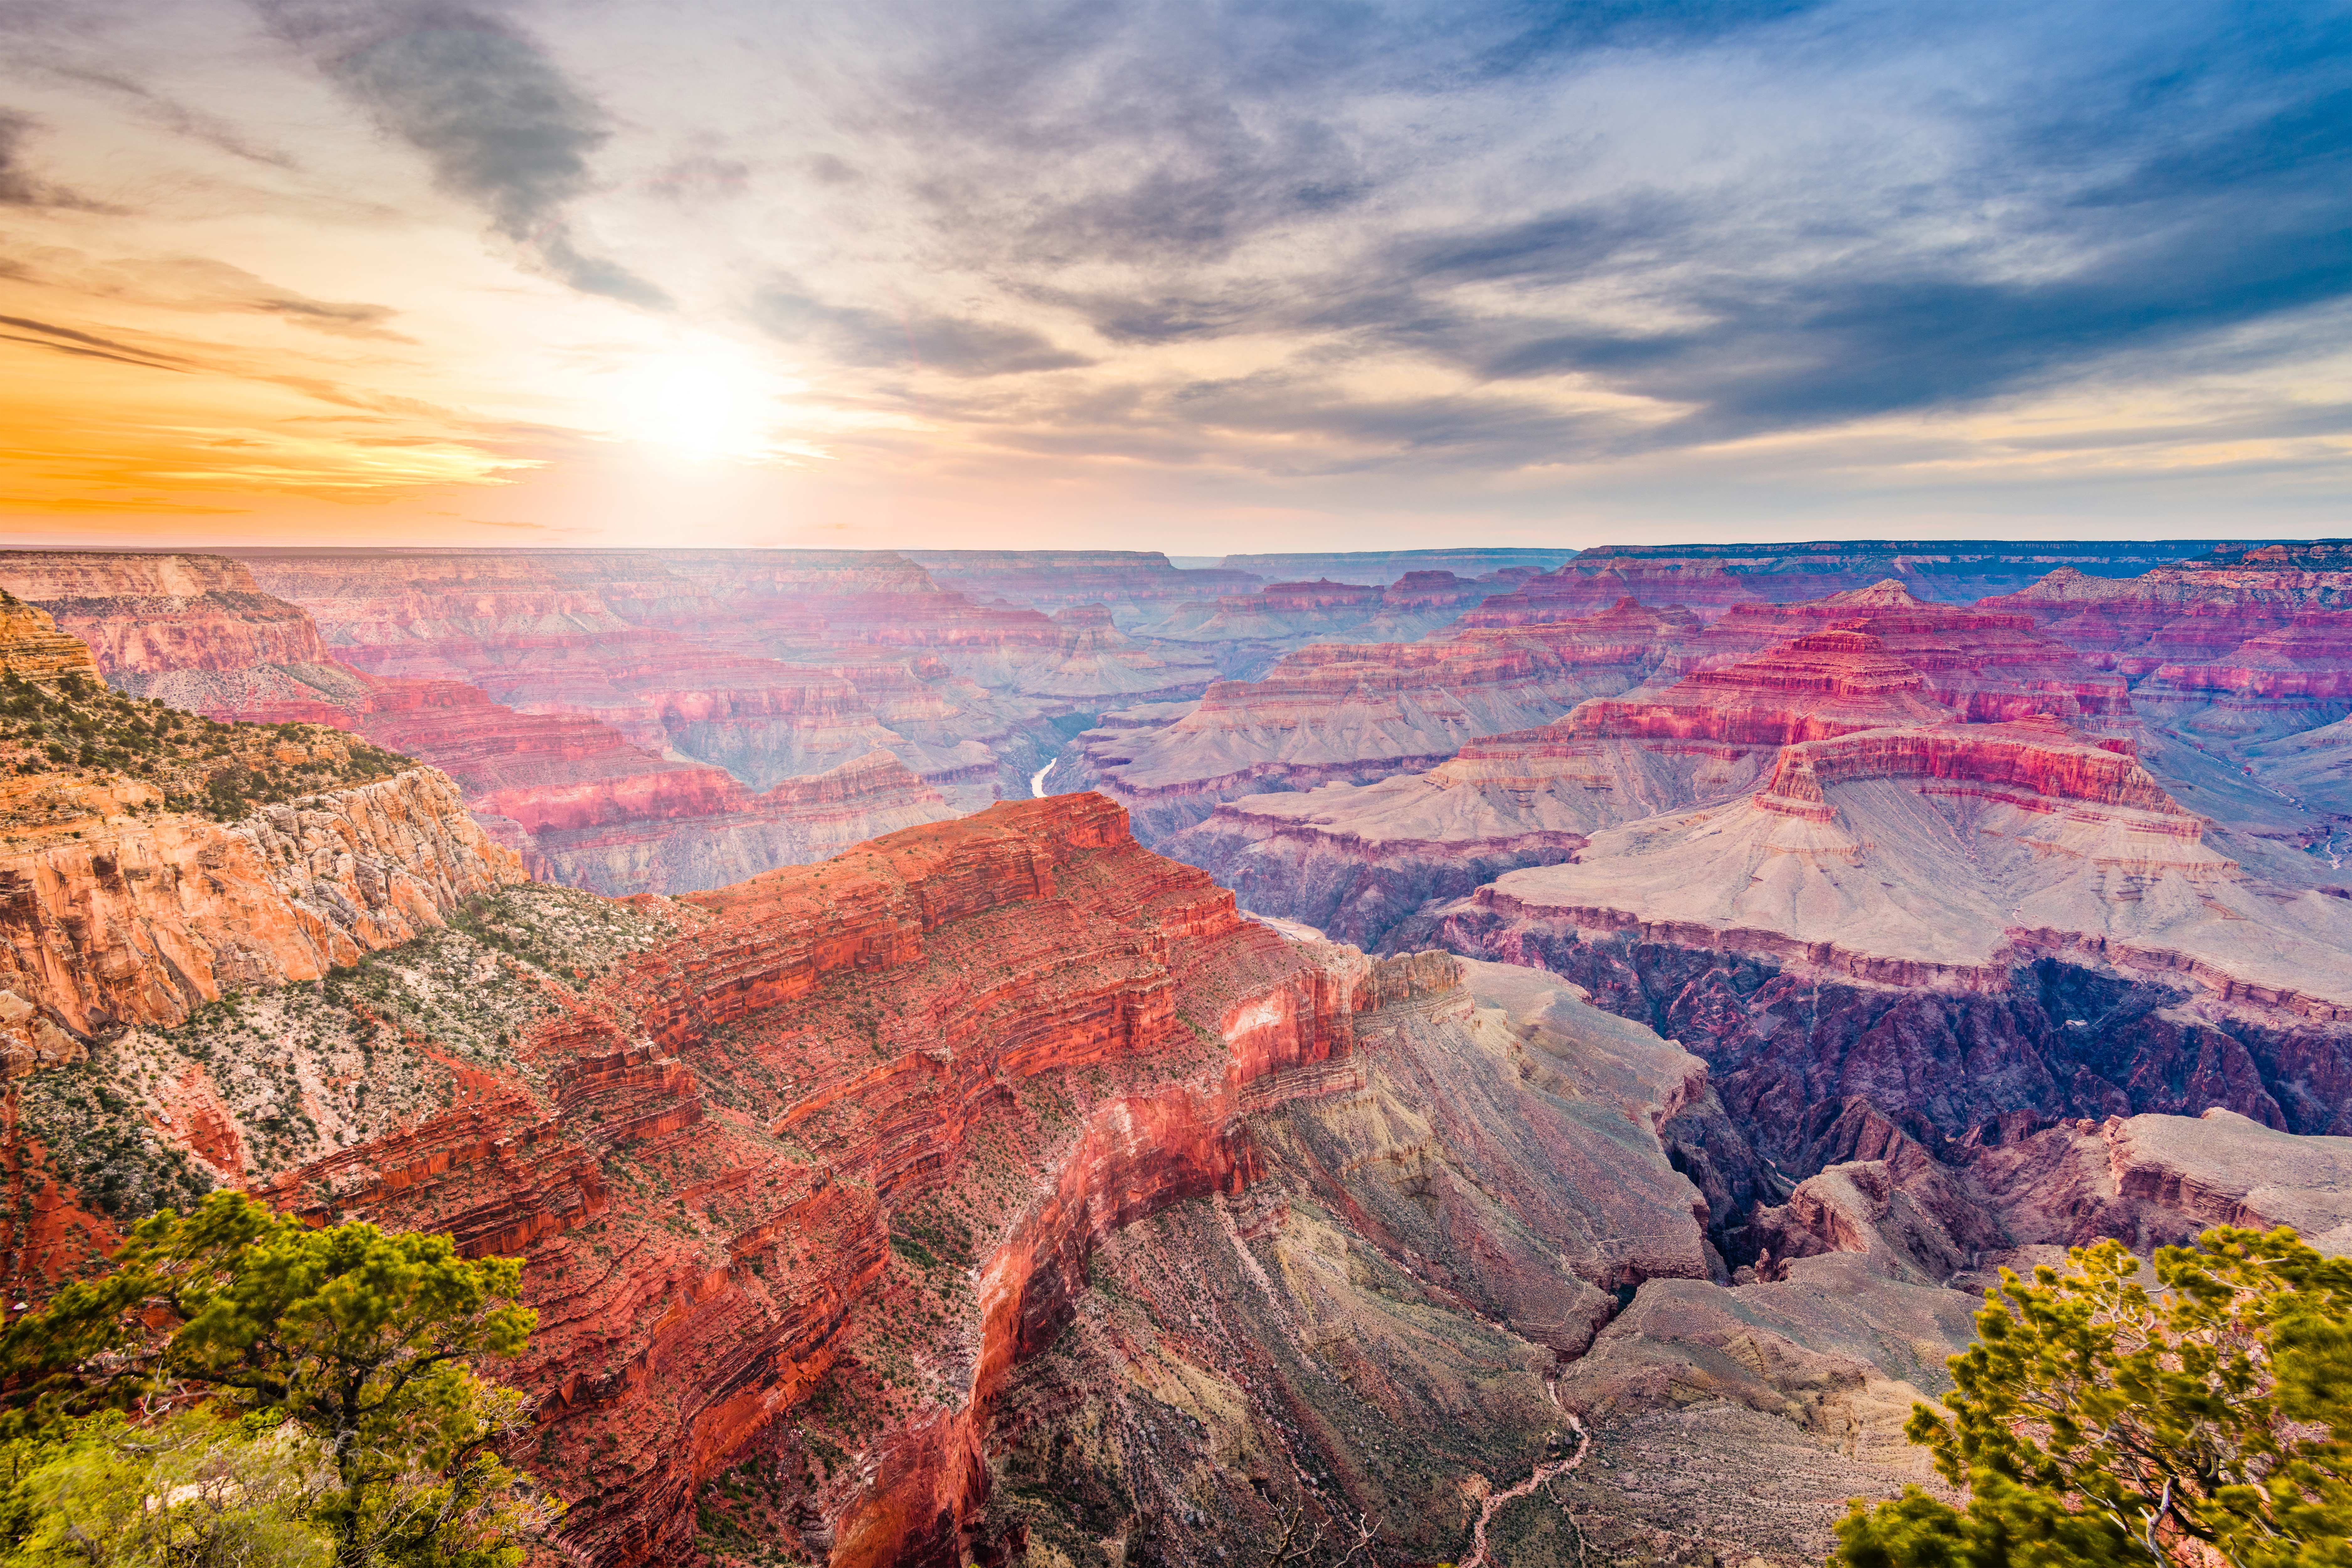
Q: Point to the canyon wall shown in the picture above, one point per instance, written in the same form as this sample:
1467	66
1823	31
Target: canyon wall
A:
195	631
1713	578
1338	711
1359	860
142	918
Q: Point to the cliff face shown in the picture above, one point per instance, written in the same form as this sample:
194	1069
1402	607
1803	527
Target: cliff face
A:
606	837
1018	1027
195	631
142	918
626	813
770	665
2237	647
1363	713
1875	661
1126	580
1714	579
32	646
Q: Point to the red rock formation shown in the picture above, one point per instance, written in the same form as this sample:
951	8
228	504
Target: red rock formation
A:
194	631
143	918
1322	594
1496	565
1353	711
613	837
1713	579
1056	579
33	648
2025	764
1092	1018
769	664
2238	644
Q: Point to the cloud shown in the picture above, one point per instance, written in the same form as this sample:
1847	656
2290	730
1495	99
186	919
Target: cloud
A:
913	340
18	188
88	346
501	126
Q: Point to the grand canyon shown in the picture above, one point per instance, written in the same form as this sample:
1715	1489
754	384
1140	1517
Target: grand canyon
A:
1066	1057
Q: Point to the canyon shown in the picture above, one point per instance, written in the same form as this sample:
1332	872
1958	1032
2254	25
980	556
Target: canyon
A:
1540	1029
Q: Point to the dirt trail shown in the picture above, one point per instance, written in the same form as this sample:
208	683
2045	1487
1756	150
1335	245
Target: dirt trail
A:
1535	1478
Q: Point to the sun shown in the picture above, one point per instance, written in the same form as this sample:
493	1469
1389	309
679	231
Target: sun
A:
710	402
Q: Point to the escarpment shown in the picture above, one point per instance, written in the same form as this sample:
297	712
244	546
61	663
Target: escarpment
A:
142	917
1922	681
1358	713
1020	1028
195	631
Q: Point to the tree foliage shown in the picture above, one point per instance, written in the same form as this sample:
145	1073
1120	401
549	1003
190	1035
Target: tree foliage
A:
347	1349
2097	1422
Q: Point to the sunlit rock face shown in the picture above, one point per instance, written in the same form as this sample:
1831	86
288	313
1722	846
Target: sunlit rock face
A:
1756	984
1358	860
142	917
1713	579
767	664
816	1178
1361	712
2238	644
196	631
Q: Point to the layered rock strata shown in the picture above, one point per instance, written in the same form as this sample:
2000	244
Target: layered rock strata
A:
143	918
1130	581
2241	644
1357	861
1713	578
1072	1030
1360	713
194	631
32	647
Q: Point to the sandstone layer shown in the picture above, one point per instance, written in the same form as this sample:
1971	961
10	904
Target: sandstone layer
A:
1713	578
1357	861
1358	713
142	918
195	631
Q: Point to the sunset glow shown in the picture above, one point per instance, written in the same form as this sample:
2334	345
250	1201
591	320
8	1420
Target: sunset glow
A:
376	271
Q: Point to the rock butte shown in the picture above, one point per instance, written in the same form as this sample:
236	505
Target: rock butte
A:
1363	713
1358	861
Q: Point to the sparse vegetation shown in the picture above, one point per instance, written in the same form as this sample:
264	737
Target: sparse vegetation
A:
92	735
299	1071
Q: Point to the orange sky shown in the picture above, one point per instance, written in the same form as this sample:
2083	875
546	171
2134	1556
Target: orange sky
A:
293	270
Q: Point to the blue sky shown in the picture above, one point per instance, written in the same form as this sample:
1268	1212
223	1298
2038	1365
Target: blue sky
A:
1190	275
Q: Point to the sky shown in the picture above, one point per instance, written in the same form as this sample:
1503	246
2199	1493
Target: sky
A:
1158	274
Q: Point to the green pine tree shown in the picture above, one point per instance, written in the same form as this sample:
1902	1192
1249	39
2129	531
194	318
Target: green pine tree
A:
349	1345
2096	1422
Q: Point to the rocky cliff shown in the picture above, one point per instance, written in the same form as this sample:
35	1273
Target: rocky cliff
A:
995	1187
1712	579
1363	712
1130	581
33	648
1019	1029
142	918
195	631
1357	861
767	664
2241	646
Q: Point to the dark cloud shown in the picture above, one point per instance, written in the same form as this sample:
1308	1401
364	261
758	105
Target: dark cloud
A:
912	340
85	345
18	187
2128	180
2202	226
500	124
